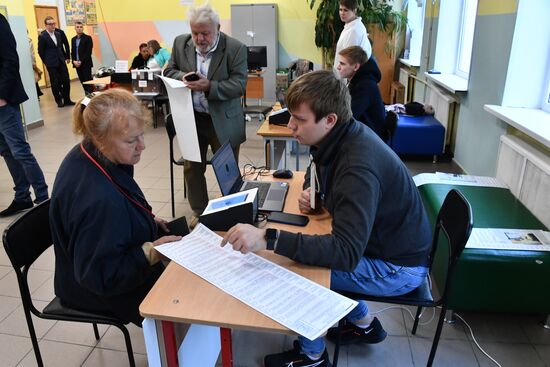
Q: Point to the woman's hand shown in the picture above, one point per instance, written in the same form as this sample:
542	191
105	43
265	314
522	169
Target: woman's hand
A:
162	224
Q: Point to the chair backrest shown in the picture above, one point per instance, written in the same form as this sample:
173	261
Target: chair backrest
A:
455	221
25	240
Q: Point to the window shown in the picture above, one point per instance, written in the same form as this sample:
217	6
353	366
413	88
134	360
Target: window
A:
415	30
469	10
455	36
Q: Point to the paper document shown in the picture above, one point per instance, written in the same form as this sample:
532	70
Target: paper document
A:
509	239
121	66
457	179
282	295
183	116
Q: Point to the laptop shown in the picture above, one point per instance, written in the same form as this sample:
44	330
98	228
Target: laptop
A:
271	194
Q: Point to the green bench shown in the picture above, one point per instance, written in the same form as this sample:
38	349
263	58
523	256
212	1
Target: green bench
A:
493	280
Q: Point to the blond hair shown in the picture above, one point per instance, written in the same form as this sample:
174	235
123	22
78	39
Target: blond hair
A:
107	115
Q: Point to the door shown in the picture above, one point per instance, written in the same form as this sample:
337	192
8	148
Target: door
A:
41	12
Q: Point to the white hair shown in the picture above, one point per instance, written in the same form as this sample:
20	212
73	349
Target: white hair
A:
203	14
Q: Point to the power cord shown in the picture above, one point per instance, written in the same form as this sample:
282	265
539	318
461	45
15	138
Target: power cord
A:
475	341
251	170
431	319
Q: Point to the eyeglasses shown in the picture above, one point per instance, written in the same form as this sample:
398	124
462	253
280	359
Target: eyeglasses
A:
50	23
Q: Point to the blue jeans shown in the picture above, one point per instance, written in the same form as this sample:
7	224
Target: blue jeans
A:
23	167
373	277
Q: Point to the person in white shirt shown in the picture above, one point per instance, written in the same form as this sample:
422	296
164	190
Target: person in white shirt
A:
354	33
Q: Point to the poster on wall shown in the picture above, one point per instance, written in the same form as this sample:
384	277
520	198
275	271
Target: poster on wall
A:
4	11
82	10
74	10
91	15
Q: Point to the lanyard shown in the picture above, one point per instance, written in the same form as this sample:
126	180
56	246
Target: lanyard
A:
113	182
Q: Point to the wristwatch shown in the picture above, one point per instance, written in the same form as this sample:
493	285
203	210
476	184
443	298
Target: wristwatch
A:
271	236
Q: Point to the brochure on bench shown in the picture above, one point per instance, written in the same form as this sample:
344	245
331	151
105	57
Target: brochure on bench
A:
457	179
509	239
301	305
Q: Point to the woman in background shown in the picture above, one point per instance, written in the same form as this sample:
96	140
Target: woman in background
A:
103	230
160	56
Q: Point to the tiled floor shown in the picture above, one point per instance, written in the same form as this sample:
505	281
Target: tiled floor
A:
514	340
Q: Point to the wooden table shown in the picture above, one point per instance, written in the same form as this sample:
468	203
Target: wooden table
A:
180	296
272	133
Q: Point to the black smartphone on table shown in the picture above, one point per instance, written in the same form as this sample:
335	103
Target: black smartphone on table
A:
192	77
287	218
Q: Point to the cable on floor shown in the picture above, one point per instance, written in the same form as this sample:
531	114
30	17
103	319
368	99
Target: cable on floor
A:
475	341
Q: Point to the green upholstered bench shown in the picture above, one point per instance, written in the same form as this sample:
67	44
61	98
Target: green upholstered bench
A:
493	280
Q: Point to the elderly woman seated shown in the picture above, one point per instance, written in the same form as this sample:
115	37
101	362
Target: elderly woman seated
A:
103	229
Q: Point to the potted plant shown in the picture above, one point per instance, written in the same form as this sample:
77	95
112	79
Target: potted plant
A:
378	14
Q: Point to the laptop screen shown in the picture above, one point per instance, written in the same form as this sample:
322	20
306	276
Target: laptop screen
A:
225	168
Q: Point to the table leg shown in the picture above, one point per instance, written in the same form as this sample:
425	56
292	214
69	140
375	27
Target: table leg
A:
154	103
227	347
170	343
272	154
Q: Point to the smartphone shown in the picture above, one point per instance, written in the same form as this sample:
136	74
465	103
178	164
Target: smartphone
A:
287	218
178	227
192	77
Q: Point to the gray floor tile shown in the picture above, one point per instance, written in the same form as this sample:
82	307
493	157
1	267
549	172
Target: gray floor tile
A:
13	349
544	353
75	333
16	324
494	327
382	354
452	353
509	355
114	339
58	354
8	305
112	358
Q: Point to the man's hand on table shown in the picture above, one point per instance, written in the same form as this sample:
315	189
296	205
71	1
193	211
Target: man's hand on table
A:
245	238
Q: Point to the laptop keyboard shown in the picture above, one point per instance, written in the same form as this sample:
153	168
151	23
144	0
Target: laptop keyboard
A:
263	188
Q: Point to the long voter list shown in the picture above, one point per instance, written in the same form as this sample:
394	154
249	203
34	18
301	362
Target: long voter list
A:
282	295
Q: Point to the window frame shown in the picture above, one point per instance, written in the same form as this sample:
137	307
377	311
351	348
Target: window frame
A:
467	5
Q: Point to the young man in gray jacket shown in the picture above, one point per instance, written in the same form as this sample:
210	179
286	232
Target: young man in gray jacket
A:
380	239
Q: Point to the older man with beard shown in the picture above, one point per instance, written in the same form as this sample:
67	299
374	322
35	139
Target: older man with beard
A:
214	67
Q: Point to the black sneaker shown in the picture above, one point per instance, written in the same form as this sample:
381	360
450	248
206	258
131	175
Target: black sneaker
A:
16	207
295	358
352	334
69	103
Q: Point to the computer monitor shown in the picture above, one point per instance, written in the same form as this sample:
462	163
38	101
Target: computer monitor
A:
257	57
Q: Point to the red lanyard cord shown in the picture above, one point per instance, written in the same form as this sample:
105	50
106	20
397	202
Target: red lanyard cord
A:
113	182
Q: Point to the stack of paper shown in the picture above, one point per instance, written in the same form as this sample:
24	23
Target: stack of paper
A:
284	296
509	239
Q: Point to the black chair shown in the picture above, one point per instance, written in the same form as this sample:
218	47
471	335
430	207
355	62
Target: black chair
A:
455	221
25	240
171	130
390	126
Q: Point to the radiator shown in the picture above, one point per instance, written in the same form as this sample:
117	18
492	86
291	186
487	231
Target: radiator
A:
407	81
446	109
526	170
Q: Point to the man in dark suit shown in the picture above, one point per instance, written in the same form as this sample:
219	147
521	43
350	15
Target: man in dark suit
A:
220	62
15	150
55	56
81	55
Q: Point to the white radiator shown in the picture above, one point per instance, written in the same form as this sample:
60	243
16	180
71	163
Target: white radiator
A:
404	78
526	170
446	109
